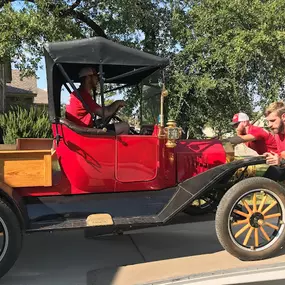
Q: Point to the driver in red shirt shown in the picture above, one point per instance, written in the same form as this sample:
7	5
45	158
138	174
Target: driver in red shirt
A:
76	112
255	137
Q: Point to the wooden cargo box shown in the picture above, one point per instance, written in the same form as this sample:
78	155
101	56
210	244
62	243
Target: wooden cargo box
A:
28	165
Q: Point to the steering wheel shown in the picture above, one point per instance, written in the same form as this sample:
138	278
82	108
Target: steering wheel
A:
114	116
109	118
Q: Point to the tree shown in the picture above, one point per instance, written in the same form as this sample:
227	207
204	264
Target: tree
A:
26	25
232	59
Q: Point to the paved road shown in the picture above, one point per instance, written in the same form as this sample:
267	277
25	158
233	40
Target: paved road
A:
150	255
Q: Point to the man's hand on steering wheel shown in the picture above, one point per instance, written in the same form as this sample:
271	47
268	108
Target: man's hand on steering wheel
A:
120	104
117	105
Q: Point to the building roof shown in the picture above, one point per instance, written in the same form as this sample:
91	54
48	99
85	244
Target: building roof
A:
17	86
42	97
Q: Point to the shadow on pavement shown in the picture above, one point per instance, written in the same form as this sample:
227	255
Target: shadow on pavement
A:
68	258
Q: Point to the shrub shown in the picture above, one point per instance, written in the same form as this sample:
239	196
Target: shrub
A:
19	122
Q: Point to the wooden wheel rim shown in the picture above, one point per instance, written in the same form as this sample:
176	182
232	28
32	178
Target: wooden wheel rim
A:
4	239
253	224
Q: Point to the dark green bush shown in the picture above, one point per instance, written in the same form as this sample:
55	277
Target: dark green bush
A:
25	123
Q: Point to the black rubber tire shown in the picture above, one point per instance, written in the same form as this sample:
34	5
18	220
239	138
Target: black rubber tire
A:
15	238
232	196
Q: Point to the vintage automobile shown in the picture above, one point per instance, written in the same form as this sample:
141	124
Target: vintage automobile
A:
115	183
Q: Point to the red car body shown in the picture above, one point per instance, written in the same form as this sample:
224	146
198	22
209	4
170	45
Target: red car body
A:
106	164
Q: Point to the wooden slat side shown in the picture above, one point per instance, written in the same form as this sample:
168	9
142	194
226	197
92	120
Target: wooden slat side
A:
34	143
24	173
22	152
26	168
47	170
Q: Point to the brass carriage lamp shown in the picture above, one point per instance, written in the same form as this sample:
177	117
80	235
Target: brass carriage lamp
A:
173	133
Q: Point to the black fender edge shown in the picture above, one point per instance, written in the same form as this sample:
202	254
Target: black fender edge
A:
190	189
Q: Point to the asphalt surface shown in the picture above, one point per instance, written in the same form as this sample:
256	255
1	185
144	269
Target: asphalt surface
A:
144	256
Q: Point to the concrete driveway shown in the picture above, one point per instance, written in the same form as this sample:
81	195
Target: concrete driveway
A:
137	258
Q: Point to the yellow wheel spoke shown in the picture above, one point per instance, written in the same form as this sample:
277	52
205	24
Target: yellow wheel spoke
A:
271	226
242	230
241	213
241	222
262	204
256	243
247	207
264	233
269	207
254	209
248	236
272	216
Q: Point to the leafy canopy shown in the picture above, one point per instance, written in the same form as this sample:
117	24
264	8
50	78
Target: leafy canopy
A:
232	59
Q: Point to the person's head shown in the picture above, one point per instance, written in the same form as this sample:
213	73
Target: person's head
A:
240	121
88	77
275	116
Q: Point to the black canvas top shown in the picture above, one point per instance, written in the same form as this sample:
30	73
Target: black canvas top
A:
100	50
121	64
116	58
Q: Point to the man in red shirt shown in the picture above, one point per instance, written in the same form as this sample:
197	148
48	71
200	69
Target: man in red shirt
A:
77	113
255	137
275	116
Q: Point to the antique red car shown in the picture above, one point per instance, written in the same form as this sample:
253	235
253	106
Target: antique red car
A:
114	183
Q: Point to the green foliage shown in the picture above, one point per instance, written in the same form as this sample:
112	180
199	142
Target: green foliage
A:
23	123
232	59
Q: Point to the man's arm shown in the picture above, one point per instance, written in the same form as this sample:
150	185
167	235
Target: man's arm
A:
248	137
110	110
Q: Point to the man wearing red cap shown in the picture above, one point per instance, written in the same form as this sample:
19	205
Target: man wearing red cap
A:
77	113
255	137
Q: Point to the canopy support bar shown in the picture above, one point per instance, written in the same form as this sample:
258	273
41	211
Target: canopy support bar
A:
133	72
118	88
101	81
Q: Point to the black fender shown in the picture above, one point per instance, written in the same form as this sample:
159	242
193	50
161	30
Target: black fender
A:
192	188
13	199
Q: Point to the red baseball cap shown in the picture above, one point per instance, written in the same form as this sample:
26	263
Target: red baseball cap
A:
239	117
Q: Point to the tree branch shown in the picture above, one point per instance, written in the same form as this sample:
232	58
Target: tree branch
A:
70	11
89	22
73	6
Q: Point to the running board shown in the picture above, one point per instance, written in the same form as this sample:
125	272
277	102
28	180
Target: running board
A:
104	223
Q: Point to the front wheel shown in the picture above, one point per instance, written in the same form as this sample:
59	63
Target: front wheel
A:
250	219
10	238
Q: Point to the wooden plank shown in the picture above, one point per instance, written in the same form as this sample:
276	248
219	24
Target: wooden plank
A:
21	152
23	173
47	170
34	143
26	168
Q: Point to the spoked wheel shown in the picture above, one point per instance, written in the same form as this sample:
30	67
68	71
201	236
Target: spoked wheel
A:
10	238
250	219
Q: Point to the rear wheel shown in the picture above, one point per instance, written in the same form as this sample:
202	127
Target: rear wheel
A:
250	219
10	238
